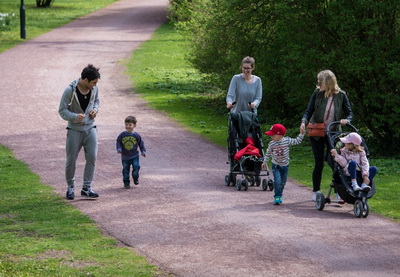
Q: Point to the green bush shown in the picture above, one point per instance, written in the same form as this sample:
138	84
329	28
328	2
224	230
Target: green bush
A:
291	42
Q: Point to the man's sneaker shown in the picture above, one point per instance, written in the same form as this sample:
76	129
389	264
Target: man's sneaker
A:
88	192
355	187
314	197
365	187
136	182
277	200
70	193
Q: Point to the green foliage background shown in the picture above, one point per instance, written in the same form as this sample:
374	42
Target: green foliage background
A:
292	41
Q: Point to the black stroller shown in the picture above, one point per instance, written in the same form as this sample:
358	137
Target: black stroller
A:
243	125
341	183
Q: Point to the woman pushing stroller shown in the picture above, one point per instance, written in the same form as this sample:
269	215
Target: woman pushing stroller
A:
352	157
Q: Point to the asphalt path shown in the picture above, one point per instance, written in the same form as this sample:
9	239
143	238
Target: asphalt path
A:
181	217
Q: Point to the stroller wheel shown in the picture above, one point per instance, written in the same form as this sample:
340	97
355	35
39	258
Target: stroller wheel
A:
320	201
358	208
245	184
264	185
238	185
227	180
365	210
270	185
233	179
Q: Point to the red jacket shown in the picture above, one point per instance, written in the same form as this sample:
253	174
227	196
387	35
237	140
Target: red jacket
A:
249	149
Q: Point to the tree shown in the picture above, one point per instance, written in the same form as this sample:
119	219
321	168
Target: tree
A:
292	41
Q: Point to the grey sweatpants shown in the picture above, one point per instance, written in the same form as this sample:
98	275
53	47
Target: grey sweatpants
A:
75	141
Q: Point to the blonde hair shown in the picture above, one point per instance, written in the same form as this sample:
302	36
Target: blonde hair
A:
358	148
328	79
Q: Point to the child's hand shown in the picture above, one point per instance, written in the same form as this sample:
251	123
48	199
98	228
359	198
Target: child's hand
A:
366	180
144	155
334	152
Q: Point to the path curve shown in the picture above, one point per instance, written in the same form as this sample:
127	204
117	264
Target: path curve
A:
181	216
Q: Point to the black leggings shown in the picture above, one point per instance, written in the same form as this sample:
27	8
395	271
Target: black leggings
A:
318	146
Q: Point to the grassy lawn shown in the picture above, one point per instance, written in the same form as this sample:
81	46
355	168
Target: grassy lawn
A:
42	235
41	20
162	76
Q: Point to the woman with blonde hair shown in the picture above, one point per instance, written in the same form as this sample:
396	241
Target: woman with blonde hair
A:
328	103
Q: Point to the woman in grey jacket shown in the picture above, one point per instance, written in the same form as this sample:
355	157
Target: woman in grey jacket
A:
319	107
79	106
245	89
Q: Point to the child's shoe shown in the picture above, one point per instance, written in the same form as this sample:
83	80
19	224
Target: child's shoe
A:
127	185
277	200
136	181
355	187
365	187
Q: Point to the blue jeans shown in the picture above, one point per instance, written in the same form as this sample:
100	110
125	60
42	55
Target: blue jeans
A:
280	177
354	173
126	168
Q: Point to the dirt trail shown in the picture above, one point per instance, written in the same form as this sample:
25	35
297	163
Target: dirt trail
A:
181	216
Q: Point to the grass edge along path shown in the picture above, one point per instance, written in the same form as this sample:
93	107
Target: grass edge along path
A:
163	77
43	235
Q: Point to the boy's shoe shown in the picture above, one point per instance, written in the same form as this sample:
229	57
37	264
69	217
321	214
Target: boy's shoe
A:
277	200
88	192
127	186
136	182
355	187
365	187
70	193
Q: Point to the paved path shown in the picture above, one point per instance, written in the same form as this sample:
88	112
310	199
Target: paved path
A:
181	216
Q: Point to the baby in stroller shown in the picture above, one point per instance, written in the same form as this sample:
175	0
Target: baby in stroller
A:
349	161
245	151
352	157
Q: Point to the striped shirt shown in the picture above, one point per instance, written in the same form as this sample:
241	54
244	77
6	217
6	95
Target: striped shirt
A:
279	150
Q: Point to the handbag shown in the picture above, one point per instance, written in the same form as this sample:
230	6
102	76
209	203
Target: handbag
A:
318	129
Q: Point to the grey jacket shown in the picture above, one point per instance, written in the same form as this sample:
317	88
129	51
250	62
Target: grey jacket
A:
70	107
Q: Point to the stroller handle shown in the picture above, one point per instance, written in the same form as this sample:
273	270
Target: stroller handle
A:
334	123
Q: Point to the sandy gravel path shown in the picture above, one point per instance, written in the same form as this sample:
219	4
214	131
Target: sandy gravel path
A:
181	216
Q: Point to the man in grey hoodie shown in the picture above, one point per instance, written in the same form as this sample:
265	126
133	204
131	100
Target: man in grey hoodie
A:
79	106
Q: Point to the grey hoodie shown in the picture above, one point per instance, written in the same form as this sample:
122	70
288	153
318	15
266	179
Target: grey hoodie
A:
70	107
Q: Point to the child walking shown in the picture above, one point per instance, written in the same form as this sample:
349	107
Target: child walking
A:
352	157
128	143
278	149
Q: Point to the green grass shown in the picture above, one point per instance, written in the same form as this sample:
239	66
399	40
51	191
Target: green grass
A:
42	20
42	235
166	80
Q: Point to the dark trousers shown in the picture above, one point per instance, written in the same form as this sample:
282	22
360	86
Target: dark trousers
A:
354	172
320	150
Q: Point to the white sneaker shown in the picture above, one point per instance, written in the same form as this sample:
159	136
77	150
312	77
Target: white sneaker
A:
356	187
314	197
365	187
